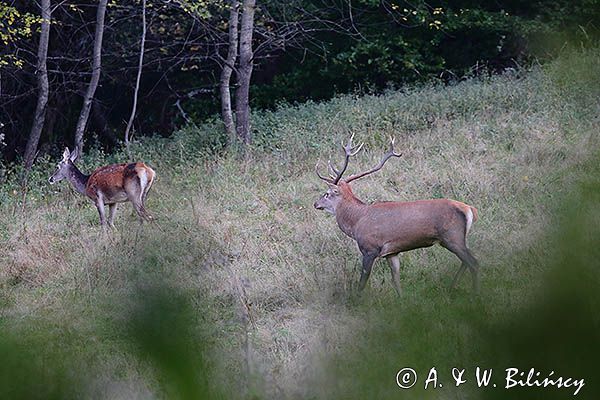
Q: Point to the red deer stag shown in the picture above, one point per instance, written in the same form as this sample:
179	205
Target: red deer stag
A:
109	185
386	229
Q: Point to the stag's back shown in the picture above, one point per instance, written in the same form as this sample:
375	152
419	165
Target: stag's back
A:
400	226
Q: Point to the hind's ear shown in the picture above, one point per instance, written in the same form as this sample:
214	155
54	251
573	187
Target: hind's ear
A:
66	154
74	155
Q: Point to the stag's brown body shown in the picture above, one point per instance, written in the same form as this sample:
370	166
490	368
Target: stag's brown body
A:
391	227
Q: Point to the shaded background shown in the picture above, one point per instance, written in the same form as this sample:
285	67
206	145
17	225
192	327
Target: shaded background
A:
305	50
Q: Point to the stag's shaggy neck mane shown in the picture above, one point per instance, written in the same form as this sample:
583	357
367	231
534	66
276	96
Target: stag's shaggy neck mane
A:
349	210
78	179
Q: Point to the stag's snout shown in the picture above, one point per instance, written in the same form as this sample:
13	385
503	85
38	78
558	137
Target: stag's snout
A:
51	180
318	205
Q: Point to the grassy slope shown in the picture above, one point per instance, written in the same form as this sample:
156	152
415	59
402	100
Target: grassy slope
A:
232	229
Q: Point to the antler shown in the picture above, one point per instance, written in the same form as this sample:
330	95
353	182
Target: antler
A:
390	153
328	180
335	173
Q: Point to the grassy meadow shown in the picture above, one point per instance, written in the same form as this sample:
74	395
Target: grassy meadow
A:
241	289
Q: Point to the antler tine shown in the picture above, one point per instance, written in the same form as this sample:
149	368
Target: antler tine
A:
328	180
349	144
389	154
353	153
391	149
349	151
334	171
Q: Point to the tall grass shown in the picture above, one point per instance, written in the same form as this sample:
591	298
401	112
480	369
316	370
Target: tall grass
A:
264	282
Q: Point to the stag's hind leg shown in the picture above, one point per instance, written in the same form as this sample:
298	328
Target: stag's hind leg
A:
458	246
458	274
470	262
473	265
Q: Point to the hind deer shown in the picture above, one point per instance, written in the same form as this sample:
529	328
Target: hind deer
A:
386	229
108	185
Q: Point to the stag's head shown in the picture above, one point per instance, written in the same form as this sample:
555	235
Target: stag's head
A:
338	186
64	166
329	200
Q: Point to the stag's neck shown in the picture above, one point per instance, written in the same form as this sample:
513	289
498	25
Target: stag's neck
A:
348	213
78	179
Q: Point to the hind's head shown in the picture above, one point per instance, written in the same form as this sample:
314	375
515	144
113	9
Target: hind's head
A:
64	166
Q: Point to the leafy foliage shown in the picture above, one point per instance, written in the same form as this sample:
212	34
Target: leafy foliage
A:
306	50
15	27
395	43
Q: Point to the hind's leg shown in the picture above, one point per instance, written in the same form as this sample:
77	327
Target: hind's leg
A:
100	207
134	193
143	197
135	196
145	190
147	184
142	209
112	208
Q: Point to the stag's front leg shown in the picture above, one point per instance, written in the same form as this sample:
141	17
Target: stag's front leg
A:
367	265
395	268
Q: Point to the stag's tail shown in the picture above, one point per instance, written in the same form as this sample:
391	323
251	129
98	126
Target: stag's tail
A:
472	216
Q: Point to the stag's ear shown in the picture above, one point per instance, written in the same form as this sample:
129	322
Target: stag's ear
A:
66	154
74	155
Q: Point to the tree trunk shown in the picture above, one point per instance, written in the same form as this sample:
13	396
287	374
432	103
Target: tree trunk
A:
244	73
137	81
42	72
100	122
96	65
225	80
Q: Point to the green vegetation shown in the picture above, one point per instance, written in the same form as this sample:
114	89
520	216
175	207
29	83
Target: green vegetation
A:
243	290
303	50
394	43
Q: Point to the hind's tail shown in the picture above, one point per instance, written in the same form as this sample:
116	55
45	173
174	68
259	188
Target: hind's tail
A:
145	179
